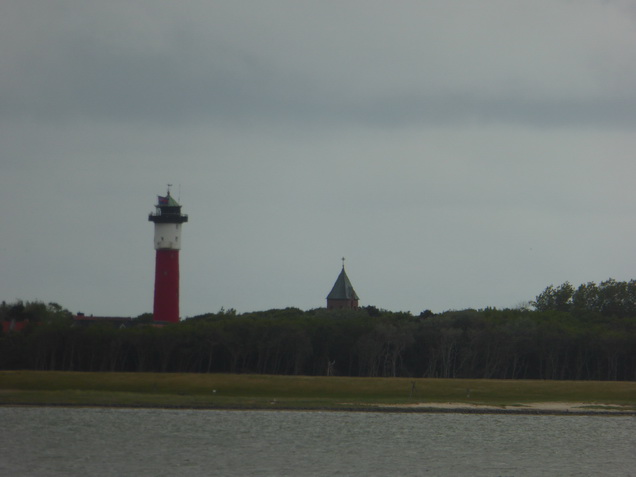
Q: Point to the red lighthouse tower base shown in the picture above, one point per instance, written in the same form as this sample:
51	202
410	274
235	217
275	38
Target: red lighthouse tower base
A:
167	219
166	302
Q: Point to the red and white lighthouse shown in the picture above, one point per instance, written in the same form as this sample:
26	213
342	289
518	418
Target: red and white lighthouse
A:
167	220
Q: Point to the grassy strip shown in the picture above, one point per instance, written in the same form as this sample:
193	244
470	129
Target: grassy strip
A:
265	391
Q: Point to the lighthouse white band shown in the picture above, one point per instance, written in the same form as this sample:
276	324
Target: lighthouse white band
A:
167	236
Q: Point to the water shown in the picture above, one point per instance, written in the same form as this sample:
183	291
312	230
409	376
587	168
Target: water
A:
44	441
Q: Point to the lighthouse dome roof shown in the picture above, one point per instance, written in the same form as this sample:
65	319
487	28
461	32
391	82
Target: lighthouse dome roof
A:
167	201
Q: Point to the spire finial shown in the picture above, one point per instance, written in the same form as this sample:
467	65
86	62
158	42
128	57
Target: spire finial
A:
343	260
169	185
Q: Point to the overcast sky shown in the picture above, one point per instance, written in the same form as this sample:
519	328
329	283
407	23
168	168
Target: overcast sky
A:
459	154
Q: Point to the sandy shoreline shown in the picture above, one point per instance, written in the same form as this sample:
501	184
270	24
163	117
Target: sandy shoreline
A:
575	408
537	408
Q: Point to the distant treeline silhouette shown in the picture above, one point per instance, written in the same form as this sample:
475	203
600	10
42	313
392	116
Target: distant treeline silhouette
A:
560	338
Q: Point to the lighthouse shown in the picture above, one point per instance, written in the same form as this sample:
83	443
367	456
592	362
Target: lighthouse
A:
167	219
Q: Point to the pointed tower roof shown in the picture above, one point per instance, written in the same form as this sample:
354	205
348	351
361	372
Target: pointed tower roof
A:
342	289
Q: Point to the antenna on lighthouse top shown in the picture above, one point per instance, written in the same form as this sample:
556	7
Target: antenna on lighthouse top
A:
169	185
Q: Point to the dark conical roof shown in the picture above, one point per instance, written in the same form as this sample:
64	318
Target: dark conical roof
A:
342	289
167	201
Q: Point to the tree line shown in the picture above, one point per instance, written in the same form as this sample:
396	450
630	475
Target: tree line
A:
562	336
608	298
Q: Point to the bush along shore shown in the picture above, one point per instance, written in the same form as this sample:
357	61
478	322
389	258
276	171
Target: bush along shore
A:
242	391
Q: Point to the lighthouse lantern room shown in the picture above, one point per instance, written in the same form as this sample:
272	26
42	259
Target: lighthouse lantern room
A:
167	219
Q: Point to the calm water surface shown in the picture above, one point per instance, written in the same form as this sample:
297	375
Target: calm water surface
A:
120	442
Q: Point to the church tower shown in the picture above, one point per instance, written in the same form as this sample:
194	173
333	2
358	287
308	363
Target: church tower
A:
167	220
342	295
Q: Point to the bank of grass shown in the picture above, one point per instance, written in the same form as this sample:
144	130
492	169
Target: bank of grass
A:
241	391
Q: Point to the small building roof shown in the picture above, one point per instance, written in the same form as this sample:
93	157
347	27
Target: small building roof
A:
342	289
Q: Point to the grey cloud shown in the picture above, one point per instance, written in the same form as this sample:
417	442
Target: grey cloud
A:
185	72
92	82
